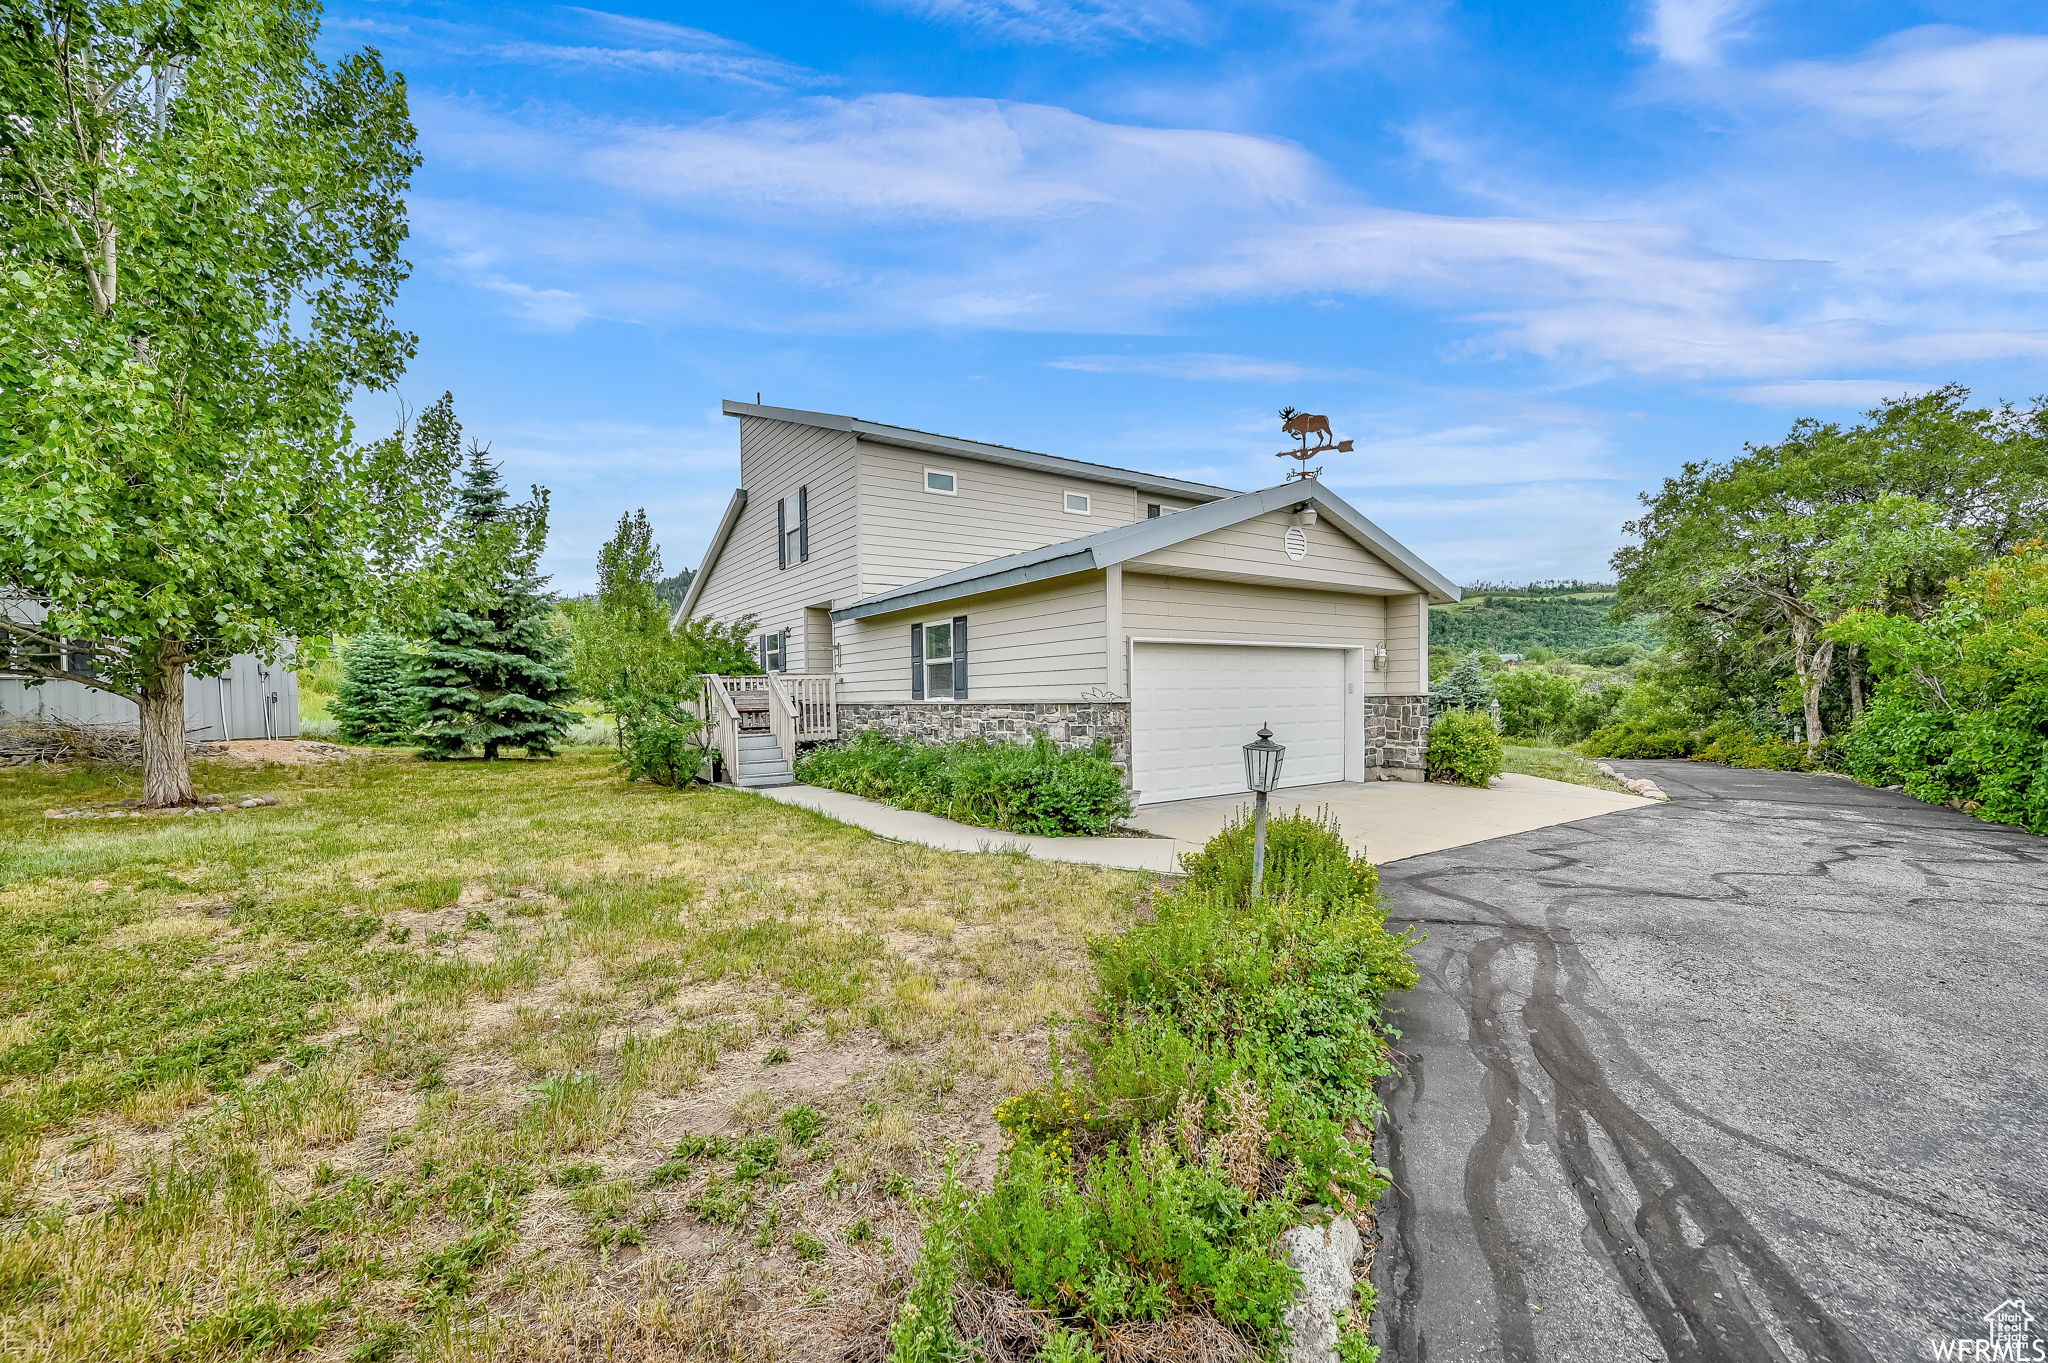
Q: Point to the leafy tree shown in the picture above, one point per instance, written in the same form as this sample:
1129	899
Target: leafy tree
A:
202	224
1747	563
375	703
1567	616
1961	709
1466	688
645	669
493	672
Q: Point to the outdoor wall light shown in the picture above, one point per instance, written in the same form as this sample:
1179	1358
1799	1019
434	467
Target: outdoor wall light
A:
1379	658
1304	516
1262	759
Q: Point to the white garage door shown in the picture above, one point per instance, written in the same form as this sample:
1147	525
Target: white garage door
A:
1195	706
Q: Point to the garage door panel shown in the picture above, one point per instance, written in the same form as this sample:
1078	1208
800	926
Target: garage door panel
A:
1195	706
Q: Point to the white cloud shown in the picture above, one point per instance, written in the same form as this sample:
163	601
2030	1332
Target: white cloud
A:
1208	368
1846	394
1074	22
910	158
972	214
1693	32
1940	89
1520	534
1475	455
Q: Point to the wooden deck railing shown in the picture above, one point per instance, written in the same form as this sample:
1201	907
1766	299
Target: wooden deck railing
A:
793	707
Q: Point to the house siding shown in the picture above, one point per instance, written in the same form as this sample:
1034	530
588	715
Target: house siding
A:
777	458
908	534
1156	606
1256	549
1042	643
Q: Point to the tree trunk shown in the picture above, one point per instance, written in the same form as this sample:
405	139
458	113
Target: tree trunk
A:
1812	663
1855	685
166	767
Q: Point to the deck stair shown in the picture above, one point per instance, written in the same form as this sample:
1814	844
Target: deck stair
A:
761	763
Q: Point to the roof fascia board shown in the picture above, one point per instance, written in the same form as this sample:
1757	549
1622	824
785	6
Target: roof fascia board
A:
930	443
711	553
1023	575
1041	463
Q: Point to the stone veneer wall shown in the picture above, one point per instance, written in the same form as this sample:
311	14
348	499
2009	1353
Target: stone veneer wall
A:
1069	725
1396	727
1396	731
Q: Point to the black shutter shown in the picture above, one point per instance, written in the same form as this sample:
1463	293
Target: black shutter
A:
917	662
782	532
761	647
959	657
803	525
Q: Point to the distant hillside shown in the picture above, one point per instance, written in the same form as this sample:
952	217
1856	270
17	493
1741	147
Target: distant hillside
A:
1499	618
674	589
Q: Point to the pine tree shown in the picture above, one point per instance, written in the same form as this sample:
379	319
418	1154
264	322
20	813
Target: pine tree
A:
493	673
1466	688
375	703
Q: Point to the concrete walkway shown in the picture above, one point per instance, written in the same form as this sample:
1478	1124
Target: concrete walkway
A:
1389	820
1386	820
1159	855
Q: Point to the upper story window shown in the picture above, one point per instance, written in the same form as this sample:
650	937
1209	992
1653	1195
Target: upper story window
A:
1151	511
1080	504
942	482
793	529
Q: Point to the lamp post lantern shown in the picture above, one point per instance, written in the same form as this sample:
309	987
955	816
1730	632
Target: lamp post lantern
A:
1262	758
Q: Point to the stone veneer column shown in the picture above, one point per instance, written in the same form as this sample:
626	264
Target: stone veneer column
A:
1396	732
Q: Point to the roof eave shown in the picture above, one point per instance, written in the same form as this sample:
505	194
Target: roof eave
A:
711	552
1023	575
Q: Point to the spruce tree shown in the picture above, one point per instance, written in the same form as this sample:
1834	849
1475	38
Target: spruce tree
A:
493	673
375	703
1466	688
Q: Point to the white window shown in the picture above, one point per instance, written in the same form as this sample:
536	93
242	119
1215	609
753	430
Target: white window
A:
940	481
775	651
1078	503
938	660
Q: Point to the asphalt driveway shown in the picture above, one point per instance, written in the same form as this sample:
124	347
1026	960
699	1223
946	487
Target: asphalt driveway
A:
1761	1073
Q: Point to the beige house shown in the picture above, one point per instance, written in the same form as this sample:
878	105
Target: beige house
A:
942	588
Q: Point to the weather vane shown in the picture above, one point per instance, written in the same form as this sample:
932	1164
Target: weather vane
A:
1302	426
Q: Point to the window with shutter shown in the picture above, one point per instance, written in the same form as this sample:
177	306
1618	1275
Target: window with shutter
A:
793	529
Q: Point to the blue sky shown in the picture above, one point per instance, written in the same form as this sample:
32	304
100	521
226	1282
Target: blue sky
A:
1531	257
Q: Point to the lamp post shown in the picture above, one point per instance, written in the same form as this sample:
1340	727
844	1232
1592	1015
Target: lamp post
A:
1262	759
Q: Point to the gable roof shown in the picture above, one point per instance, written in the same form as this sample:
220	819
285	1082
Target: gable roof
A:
1124	542
926	441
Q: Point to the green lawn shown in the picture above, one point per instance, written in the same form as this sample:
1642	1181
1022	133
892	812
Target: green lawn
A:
1557	764
505	1062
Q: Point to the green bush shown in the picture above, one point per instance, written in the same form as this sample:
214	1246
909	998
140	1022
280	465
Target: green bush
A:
1642	739
1306	857
1738	747
1464	749
1032	787
1961	711
1221	1092
666	753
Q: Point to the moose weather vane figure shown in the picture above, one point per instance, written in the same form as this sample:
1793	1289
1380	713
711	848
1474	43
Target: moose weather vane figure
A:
1304	427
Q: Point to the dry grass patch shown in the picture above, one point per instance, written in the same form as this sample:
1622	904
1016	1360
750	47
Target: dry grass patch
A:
508	1061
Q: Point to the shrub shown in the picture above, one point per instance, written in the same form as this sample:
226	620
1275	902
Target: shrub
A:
666	753
1738	747
1961	712
1306	857
1221	1093
1643	739
1464	749
1466	686
1033	787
